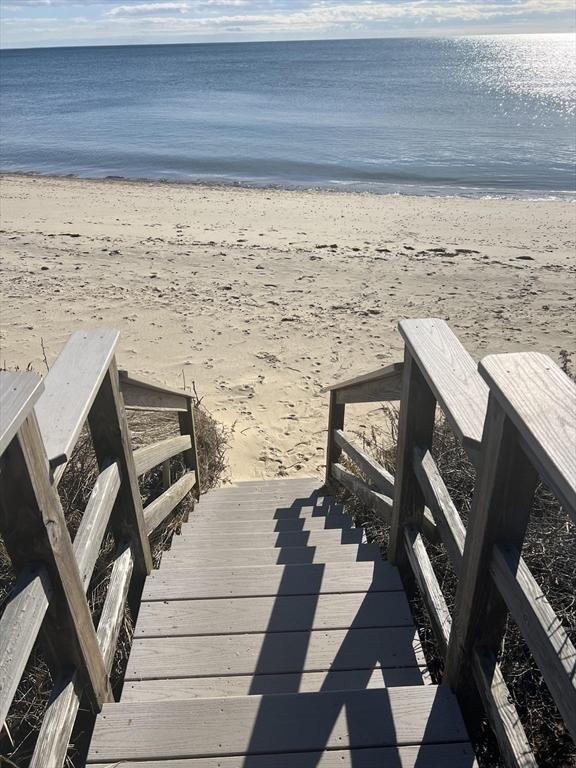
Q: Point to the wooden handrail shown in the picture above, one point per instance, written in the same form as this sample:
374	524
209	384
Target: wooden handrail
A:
452	376
18	393
143	394
516	419
159	509
383	384
540	400
49	597
70	389
151	456
19	627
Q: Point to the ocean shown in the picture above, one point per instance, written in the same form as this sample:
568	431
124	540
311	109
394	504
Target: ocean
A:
490	115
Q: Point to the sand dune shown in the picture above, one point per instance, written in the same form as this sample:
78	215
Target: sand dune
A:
261	297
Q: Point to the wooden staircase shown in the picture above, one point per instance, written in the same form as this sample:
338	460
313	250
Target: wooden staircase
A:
273	637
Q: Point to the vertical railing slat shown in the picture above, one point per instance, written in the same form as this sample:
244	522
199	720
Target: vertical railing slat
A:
336	415
415	429
112	442
187	427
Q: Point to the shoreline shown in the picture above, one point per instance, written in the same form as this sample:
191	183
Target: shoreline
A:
343	188
263	297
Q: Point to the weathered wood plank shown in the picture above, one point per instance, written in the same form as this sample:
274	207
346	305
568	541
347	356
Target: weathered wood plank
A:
159	509
448	521
380	374
142	394
166	475
280	540
429	586
540	627
386	389
272	614
376	473
19	390
378	502
416	425
204	526
540	400
151	456
502	714
256	511
19	627
70	389
113	611
187	427
374	389
269	654
428	756
94	521
269	485
289	723
195	583
56	730
33	528
452	375
179	557
245	685
111	439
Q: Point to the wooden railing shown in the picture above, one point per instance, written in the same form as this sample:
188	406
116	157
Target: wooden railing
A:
515	416
40	423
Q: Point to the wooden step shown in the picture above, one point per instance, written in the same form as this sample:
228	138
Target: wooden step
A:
277	724
193	556
261	511
427	756
332	578
208	526
282	539
272	614
244	685
272	653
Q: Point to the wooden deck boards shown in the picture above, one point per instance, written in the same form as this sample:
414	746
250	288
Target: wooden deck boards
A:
182	557
243	685
272	539
266	647
271	653
272	614
318	578
427	756
277	724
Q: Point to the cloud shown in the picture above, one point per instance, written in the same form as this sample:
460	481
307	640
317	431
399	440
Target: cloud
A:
83	21
325	14
147	8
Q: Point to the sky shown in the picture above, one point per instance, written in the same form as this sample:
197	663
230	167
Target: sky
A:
31	23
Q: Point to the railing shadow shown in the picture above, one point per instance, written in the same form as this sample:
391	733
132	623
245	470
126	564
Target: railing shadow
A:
367	719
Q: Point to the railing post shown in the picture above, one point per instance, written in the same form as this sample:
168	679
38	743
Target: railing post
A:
34	529
416	426
500	509
111	439
186	420
333	451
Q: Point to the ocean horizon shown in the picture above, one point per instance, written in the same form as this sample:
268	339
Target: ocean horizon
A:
471	116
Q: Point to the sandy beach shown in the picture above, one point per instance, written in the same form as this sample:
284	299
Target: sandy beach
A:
262	297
